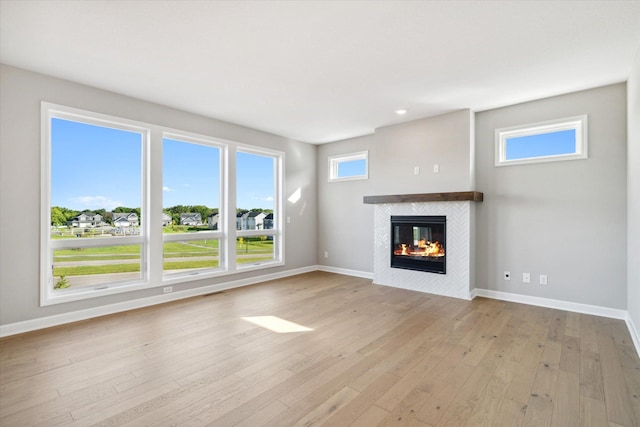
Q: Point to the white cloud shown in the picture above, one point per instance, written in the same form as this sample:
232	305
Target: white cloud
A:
165	188
96	202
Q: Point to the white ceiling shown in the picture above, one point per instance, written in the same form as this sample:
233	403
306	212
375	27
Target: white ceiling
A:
320	71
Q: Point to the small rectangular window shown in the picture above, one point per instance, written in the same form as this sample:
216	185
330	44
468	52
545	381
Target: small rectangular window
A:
349	167
564	139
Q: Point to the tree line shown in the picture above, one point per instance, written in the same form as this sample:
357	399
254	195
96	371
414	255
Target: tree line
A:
61	215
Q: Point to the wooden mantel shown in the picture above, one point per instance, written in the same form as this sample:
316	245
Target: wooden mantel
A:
459	196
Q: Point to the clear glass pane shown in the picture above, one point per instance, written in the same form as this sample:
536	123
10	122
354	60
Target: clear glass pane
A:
255	191
351	168
96	180
190	255
251	250
88	267
191	186
544	144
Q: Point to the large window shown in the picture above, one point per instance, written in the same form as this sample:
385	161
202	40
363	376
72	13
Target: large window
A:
258	235
95	204
191	177
127	206
564	139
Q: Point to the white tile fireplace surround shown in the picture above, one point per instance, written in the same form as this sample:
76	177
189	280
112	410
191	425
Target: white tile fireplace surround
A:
459	208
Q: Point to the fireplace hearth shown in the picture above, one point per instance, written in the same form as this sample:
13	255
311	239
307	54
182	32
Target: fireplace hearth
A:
419	243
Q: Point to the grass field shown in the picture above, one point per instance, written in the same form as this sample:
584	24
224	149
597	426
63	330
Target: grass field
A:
191	254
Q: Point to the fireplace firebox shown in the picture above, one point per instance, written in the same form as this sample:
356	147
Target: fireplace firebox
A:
419	243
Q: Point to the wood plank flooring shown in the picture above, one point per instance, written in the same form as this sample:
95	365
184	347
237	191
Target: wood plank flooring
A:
377	356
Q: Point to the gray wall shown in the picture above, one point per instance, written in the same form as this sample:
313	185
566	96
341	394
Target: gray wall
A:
444	140
564	219
633	195
20	95
345	224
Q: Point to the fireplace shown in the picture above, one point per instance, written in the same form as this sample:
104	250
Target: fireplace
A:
419	243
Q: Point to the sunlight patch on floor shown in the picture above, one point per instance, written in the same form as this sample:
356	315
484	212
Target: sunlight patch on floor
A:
276	324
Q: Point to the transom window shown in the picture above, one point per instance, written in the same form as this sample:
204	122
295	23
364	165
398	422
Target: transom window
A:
349	166
563	139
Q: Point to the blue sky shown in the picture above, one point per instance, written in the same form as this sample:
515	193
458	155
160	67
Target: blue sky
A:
96	167
352	168
544	144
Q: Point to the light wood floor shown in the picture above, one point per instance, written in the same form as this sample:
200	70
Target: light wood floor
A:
376	356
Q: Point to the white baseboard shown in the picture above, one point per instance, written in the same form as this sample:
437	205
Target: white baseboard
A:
74	316
553	303
345	271
575	307
634	332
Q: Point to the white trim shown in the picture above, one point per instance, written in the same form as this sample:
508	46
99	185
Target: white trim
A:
75	316
345	271
575	307
634	332
577	123
278	230
48	296
334	162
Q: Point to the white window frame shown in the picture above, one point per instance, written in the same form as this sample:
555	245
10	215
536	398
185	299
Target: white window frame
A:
172	277
577	123
48	295
151	238
278	211
335	161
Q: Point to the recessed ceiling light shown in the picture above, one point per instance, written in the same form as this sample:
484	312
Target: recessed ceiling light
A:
400	111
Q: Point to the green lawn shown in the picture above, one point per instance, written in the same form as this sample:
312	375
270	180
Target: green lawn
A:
250	250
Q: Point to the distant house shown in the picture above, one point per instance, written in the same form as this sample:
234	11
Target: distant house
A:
241	221
86	219
268	222
255	220
125	219
212	221
166	219
190	218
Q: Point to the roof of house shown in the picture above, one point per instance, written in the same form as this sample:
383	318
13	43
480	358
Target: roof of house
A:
193	215
126	215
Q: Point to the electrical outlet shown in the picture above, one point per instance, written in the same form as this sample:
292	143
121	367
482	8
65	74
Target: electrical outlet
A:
416	170
167	289
436	168
507	275
543	279
526	278
326	254
288	220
